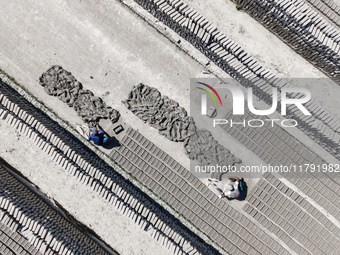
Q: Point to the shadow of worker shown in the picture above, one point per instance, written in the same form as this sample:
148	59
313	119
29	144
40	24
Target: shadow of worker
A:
101	138
110	143
243	190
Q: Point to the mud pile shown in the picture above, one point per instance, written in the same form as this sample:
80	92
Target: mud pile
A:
62	84
162	113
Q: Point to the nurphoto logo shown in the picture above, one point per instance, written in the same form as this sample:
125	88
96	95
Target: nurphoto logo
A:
238	99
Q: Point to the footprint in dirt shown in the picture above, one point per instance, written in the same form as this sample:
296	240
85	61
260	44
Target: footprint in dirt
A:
106	94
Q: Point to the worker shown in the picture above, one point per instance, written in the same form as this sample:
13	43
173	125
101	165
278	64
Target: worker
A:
234	192
97	136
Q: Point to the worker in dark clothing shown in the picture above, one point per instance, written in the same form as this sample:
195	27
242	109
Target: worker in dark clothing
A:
97	136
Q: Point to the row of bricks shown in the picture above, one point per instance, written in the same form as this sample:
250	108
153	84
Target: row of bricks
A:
31	224
285	213
150	150
272	191
145	166
49	148
16	237
285	220
315	183
319	198
168	165
323	188
12	248
149	180
304	238
334	187
8	247
330	13
46	132
8	221
169	186
325	133
156	152
294	11
271	136
149	160
324	34
274	228
269	151
332	5
15	210
265	151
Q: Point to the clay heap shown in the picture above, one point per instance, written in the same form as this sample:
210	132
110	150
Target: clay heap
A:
173	122
62	84
202	146
162	113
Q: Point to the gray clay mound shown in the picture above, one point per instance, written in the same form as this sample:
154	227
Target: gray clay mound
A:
91	108
173	122
161	113
62	84
207	151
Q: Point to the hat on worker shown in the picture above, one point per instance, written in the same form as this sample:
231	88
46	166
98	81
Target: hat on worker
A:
94	131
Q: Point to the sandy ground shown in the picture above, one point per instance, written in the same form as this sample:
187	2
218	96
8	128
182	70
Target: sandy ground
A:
117	230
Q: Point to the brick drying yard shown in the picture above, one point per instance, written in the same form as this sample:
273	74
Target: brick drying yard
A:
60	194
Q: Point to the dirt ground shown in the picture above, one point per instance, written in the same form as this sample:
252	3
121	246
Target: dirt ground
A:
109	49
